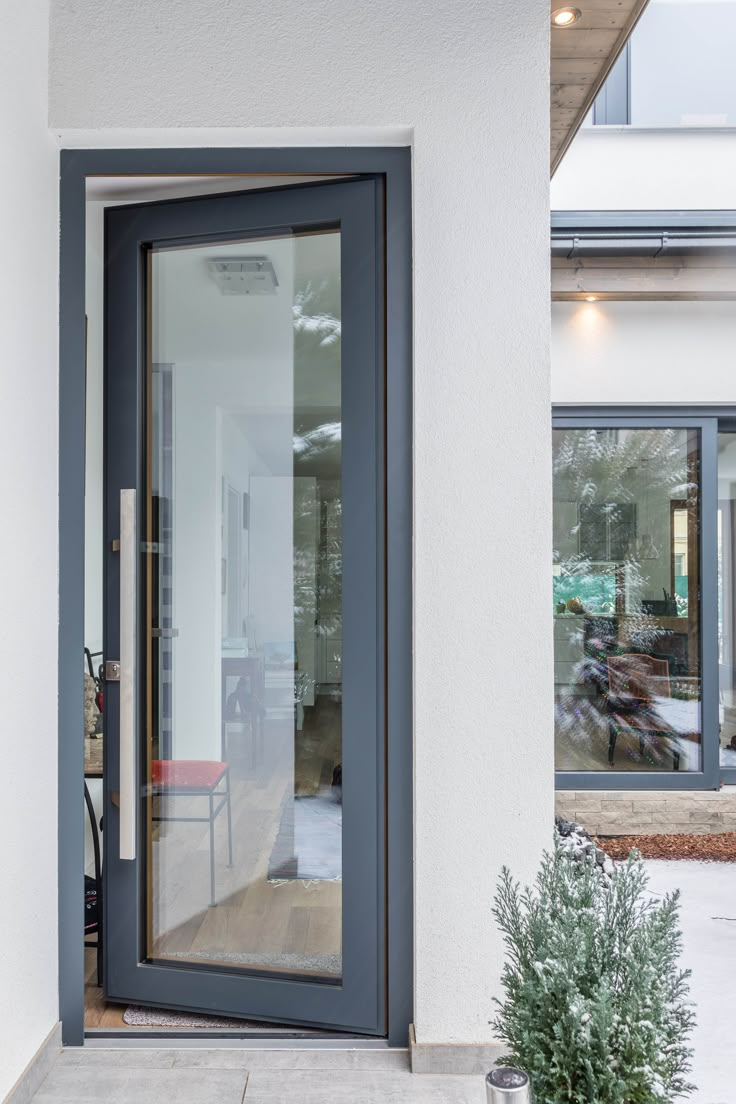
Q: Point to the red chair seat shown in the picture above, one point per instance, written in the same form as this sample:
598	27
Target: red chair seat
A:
187	774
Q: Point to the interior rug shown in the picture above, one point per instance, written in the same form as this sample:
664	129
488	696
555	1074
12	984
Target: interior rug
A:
308	846
136	1016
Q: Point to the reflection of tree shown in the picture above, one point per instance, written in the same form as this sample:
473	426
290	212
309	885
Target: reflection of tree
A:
315	444
312	316
317	357
613	476
614	468
317	452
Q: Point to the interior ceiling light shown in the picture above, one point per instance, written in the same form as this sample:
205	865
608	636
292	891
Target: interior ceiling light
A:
565	17
591	298
244	275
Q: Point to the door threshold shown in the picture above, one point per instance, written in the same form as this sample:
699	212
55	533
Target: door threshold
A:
102	1038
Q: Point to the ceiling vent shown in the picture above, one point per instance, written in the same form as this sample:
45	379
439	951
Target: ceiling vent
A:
244	276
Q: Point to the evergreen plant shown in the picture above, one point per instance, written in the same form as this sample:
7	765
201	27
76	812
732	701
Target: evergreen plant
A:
596	1007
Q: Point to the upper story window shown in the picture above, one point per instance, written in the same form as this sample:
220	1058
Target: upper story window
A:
677	69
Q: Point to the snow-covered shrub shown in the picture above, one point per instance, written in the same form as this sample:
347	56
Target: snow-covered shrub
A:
595	1007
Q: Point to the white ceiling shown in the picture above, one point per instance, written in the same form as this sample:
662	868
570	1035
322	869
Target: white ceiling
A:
139	189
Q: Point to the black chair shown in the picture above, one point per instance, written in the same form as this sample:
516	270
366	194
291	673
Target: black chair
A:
93	891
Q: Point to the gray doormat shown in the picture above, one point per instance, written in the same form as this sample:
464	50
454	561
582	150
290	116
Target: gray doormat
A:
136	1016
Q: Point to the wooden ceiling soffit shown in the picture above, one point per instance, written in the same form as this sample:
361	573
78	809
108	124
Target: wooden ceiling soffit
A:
582	56
709	275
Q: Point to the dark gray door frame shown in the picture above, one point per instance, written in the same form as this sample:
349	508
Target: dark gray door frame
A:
394	166
358	1002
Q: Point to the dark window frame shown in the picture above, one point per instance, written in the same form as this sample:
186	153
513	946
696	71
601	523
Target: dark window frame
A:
710	420
612	105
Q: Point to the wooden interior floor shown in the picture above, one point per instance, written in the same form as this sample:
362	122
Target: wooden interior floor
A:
253	916
98	1013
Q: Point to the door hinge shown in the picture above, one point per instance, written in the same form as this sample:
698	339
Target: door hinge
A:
147	546
112	670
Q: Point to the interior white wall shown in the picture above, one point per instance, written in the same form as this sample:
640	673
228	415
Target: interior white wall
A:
29	548
641	168
471	85
642	352
93	516
229	354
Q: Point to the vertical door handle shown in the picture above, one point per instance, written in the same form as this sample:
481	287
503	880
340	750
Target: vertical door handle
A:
128	680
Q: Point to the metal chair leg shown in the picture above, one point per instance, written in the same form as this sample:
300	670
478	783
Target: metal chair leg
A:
229	819
612	733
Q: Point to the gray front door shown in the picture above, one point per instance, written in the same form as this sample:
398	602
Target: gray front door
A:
243	598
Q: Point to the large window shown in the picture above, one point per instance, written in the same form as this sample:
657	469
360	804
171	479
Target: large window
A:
727	600
678	68
626	572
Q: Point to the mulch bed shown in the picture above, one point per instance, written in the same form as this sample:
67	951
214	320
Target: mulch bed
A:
720	847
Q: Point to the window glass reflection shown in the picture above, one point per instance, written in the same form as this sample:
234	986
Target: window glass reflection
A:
625	586
244	606
727	596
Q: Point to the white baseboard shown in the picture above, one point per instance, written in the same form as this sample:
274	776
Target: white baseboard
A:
34	1074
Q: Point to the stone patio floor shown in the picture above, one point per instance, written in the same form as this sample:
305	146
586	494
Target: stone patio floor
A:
239	1076
189	1075
708	918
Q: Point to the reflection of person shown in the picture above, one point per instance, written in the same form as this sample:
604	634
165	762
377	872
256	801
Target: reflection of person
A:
239	702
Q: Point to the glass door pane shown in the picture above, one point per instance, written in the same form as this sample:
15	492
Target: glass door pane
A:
626	599
244	605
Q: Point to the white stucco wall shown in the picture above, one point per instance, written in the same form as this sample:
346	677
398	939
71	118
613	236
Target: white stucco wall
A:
469	84
630	168
646	352
28	549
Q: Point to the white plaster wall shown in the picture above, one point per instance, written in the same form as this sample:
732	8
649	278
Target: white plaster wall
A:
29	544
470	85
642	352
630	168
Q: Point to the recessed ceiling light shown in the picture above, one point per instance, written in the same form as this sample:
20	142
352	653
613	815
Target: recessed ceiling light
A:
565	17
591	298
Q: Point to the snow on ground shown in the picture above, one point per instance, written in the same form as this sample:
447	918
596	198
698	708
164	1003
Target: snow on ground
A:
708	918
